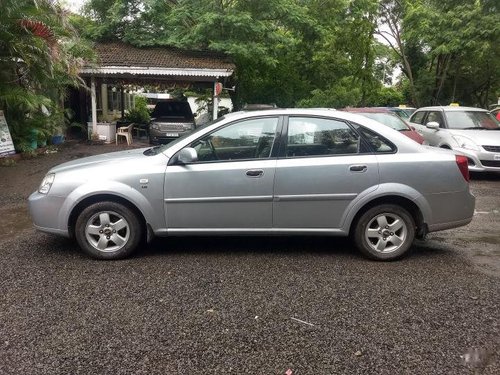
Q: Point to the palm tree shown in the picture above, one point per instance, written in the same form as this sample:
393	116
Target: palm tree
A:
37	62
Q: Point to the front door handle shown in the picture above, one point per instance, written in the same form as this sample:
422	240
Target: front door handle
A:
255	173
358	168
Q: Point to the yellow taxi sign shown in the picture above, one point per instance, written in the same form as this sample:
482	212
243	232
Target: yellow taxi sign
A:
454	105
402	106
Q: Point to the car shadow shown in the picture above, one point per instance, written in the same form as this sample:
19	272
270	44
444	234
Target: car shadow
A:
273	245
246	245
338	247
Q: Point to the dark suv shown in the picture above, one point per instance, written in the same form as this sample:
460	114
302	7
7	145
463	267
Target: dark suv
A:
170	119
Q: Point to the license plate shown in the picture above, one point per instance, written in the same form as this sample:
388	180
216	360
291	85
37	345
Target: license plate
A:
172	134
496	157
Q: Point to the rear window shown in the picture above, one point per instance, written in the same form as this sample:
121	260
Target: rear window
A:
388	119
471	120
180	110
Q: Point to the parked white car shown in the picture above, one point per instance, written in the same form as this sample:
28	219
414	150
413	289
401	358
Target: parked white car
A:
472	132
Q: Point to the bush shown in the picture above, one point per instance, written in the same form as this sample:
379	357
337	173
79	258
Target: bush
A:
140	113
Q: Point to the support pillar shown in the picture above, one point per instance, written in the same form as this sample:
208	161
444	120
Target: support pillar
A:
104	98
215	101
93	104
122	99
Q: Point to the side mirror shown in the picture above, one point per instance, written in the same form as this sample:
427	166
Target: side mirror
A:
187	155
432	125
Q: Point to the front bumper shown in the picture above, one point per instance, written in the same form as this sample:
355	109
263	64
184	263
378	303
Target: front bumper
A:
481	161
158	136
45	211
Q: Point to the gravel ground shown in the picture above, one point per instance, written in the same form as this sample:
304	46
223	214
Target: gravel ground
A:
245	305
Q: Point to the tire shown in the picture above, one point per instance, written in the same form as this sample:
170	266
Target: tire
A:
108	230
385	232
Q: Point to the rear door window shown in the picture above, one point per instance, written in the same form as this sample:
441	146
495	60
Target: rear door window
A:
314	136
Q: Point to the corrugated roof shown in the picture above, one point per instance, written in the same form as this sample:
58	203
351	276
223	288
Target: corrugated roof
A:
118	54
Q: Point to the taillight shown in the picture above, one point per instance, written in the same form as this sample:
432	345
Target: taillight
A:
463	165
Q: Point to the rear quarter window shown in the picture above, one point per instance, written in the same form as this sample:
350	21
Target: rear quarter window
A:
377	143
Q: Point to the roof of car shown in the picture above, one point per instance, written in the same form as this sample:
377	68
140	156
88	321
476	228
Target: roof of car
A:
327	112
451	108
368	110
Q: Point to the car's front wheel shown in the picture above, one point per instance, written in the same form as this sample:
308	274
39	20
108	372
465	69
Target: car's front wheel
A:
108	230
385	232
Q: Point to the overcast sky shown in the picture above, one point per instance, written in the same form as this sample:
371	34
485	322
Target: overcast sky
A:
73	5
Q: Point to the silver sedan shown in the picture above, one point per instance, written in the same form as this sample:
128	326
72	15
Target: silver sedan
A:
273	172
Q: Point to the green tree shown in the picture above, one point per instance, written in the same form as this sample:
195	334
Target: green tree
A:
448	50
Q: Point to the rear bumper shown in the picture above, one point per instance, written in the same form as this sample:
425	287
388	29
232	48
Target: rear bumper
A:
450	210
449	225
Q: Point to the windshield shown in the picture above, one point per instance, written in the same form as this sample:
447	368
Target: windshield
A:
387	119
407	112
173	109
158	149
471	120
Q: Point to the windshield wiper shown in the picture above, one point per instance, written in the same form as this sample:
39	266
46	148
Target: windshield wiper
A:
152	151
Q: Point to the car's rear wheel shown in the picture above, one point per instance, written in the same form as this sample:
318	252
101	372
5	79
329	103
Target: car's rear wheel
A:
385	232
108	230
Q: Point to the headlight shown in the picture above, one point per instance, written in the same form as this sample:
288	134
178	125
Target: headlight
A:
46	183
464	142
155	126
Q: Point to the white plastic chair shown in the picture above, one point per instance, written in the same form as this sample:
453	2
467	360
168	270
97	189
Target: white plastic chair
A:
125	131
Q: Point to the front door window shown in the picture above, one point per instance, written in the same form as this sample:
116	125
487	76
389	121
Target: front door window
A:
245	140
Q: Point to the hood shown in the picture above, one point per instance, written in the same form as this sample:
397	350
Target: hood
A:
172	119
480	137
111	158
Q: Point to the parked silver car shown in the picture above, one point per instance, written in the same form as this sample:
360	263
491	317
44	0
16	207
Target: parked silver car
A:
472	132
282	171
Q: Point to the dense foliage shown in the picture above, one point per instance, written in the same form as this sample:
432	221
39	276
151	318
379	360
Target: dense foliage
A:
324	52
40	56
309	53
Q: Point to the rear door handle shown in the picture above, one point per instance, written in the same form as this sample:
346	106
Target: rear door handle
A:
255	173
358	168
